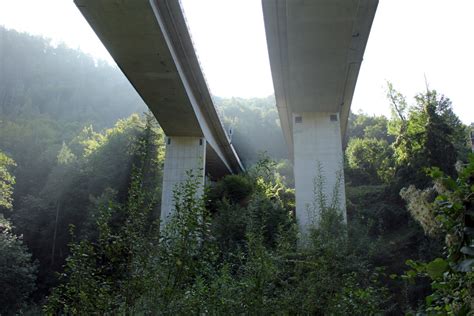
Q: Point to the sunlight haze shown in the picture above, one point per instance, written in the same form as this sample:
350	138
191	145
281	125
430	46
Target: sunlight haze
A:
410	39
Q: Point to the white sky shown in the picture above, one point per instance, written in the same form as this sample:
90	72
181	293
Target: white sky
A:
409	39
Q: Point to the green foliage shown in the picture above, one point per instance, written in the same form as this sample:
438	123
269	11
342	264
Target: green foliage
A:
17	270
364	126
65	85
183	263
254	203
303	279
255	126
190	268
451	213
65	155
370	160
420	136
358	298
235	251
7	180
87	290
133	268
47	97
427	134
34	145
234	188
105	273
72	191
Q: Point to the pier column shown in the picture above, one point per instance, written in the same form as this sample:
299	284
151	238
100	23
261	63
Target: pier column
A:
183	154
317	156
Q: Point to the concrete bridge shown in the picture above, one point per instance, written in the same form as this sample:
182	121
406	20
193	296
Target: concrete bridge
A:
150	42
315	49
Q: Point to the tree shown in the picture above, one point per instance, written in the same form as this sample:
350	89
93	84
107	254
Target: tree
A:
7	180
66	85
17	271
106	269
450	215
370	160
427	134
255	125
361	125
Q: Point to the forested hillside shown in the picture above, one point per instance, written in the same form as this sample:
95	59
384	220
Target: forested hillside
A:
255	125
58	83
68	127
80	181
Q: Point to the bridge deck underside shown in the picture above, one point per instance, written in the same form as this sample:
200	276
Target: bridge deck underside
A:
131	33
316	48
150	42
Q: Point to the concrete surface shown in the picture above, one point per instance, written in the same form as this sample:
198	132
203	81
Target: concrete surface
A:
318	160
183	155
150	42
316	49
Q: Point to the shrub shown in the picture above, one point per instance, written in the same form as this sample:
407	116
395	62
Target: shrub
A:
17	270
450	214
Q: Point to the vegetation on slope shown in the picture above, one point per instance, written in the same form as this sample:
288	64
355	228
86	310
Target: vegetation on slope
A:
80	178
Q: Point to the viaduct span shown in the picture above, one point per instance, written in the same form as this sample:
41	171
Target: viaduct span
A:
150	42
315	49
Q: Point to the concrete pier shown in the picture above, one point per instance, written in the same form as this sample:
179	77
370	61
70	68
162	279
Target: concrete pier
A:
150	42
316	49
183	155
318	165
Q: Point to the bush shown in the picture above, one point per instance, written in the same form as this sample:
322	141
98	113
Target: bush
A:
17	271
452	215
193	267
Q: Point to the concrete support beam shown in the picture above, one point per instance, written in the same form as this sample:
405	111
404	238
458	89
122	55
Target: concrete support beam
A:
150	42
316	49
183	154
317	155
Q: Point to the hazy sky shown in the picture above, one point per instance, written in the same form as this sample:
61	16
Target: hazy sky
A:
409	39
